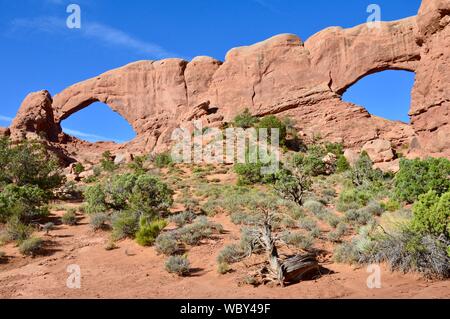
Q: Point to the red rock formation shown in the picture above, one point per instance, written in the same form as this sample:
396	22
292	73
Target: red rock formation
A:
281	76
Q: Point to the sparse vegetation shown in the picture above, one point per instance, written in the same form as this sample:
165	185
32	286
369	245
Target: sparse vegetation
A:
31	246
178	265
69	218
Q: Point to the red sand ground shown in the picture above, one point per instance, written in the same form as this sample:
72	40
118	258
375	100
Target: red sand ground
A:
132	271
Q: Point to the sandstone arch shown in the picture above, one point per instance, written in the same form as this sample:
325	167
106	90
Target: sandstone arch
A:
286	76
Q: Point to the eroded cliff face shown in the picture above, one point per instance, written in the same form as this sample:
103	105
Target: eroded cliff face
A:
282	75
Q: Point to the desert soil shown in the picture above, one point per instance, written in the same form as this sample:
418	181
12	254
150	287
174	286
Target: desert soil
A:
131	271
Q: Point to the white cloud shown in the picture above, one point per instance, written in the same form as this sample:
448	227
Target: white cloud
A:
266	4
4	118
92	30
81	134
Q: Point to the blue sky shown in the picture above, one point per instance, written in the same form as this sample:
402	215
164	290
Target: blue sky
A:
39	52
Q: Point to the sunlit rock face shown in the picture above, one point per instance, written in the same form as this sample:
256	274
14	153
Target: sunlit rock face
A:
283	76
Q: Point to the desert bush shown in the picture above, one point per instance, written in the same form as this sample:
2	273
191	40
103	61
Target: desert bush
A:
332	220
178	265
244	218
78	168
338	233
252	173
375	208
17	231
69	218
162	160
150	196
360	216
2	256
107	162
29	163
307	223
363	174
31	247
346	253
431	214
69	190
417	177
315	232
183	218
26	202
167	244
230	254
292	185
149	231
245	120
391	205
47	227
222	268
352	198
298	240
192	234
143	193
95	198
99	221
272	122
137	165
342	165
125	224
408	251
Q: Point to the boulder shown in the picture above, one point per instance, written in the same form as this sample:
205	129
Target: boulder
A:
379	150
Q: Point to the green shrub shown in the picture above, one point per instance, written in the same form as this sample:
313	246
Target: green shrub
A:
431	214
107	162
307	223
342	164
352	198
272	122
125	224
29	163
346	253
298	240
230	254
336	235
363	174
360	216
28	202
95	198
167	244
17	231
148	231
391	205
410	251
163	160
192	234
223	268
78	168
245	120
417	177
99	221
143	193
31	247
178	265
183	218
292	185
69	218
150	196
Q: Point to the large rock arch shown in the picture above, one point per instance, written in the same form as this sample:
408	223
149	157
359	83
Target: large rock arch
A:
286	76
